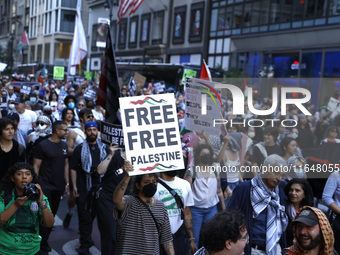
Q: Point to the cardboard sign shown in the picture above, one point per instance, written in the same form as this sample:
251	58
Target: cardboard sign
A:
88	75
58	72
194	119
188	73
111	133
333	104
152	139
139	79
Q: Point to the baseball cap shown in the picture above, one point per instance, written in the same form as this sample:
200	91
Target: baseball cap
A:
19	100
13	116
307	217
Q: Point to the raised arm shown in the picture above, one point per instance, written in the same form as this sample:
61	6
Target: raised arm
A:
118	196
102	167
71	137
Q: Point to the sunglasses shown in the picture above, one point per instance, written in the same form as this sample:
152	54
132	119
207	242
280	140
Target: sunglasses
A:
81	105
41	123
89	116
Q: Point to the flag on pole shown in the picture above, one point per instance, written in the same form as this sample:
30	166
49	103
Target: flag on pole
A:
205	72
125	5
79	48
24	42
132	86
109	89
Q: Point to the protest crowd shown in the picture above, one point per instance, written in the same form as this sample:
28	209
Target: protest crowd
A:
52	138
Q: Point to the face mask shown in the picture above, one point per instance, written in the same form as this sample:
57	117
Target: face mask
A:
90	106
33	99
206	159
171	173
149	190
48	112
251	134
41	127
294	135
11	106
71	105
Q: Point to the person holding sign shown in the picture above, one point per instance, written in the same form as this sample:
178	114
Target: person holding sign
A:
147	217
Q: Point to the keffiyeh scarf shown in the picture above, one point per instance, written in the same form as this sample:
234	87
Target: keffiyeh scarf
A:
277	221
86	160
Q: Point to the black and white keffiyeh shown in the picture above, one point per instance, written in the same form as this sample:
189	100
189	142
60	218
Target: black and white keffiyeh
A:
86	160
277	221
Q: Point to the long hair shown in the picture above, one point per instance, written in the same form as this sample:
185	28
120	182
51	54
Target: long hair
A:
64	112
6	183
307	189
197	151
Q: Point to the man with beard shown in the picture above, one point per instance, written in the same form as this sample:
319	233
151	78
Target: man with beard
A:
312	232
86	180
177	197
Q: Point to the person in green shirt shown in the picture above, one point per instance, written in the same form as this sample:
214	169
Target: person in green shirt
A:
19	215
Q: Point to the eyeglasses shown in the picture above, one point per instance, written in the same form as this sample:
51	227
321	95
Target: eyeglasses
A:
89	116
246	238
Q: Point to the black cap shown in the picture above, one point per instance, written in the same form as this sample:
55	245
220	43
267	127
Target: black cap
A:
19	100
13	116
307	217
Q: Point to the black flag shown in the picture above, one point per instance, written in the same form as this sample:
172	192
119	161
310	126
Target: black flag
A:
109	88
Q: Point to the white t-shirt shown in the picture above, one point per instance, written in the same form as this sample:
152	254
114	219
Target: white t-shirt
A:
26	120
98	115
183	189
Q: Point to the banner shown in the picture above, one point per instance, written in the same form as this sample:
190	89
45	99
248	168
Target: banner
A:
151	133
58	73
111	133
195	118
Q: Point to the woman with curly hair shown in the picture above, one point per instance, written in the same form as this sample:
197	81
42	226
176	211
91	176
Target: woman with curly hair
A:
20	214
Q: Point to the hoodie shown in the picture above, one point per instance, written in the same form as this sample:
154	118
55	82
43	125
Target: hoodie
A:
326	230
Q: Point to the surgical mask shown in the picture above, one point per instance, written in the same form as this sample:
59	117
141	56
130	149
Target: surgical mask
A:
33	99
294	135
206	159
251	134
41	127
149	190
71	105
11	106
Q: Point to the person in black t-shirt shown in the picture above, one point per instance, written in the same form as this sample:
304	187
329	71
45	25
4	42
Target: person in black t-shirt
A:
50	163
86	184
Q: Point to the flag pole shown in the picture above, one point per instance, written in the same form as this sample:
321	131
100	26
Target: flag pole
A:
79	62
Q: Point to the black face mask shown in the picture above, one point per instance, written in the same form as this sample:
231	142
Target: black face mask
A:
149	190
171	173
90	106
206	159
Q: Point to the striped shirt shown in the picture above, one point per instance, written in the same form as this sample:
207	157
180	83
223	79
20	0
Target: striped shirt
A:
137	232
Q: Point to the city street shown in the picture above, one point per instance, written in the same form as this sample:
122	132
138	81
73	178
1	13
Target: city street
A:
66	241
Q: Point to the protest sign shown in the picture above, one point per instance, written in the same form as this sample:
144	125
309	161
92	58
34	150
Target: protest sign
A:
25	89
111	133
139	79
188	73
152	139
88	75
58	73
194	119
90	94
333	104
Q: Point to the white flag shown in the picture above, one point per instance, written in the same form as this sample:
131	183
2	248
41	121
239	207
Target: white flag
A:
79	48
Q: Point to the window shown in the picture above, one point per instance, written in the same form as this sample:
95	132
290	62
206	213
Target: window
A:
157	27
145	30
179	25
14	8
27	19
133	32
69	4
27	3
196	22
47	53
264	15
286	11
122	34
39	53
32	59
67	21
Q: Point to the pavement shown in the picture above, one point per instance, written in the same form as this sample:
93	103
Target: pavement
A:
66	241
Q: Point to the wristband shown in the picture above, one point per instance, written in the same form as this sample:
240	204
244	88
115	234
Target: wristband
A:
192	238
44	206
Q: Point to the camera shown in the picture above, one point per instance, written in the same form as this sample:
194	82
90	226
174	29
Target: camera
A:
31	191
